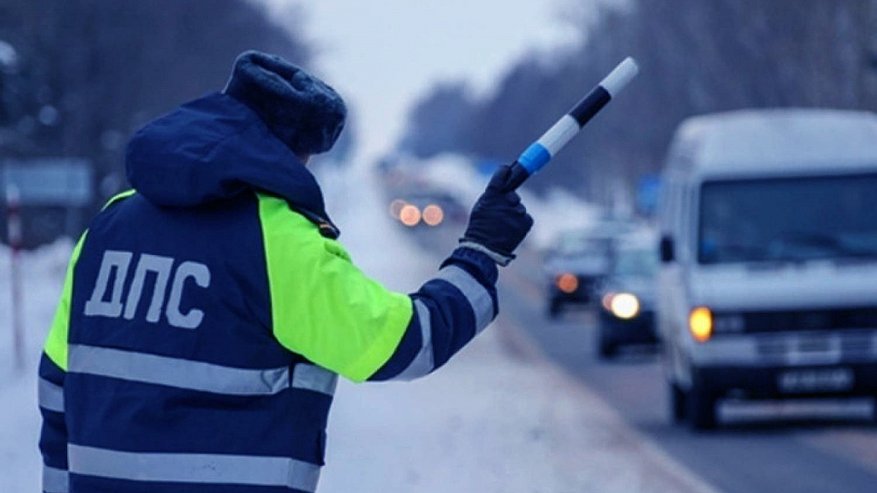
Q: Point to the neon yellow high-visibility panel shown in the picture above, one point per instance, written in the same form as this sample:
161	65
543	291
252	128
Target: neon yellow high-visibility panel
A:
322	306
56	342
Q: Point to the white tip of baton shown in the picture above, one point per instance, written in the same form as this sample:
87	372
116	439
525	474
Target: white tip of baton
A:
620	76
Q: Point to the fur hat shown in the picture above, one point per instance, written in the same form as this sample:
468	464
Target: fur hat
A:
300	109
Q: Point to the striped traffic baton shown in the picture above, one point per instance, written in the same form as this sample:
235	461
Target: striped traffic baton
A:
540	152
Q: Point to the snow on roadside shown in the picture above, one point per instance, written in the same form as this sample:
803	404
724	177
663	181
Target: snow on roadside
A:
489	423
42	278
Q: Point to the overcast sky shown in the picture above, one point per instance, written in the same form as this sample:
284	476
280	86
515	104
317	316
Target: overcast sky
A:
382	54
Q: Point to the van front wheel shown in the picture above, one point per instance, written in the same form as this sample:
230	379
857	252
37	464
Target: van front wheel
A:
701	408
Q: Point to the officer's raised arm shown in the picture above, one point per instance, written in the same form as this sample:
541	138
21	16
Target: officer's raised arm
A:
322	306
452	308
326	309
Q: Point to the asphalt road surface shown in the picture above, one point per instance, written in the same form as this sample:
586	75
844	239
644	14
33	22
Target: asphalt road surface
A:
824	446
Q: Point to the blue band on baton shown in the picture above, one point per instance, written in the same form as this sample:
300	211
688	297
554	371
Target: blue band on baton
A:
534	158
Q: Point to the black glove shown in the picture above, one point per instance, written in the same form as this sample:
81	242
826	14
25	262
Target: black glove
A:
498	222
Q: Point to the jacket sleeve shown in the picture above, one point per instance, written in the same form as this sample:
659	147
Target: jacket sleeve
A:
449	311
50	391
324	308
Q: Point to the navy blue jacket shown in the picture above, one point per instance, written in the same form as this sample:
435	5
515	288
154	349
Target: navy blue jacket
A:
206	314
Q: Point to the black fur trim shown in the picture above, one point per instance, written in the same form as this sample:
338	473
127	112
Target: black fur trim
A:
300	109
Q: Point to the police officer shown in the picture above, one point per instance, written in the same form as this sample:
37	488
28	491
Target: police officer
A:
206	313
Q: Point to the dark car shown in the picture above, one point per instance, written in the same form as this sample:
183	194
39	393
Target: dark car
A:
573	267
427	209
627	295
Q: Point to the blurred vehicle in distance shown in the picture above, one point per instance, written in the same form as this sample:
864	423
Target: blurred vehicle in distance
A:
572	266
768	284
578	260
427	208
627	295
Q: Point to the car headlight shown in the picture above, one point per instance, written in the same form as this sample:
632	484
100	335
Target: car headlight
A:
623	305
567	283
700	323
433	215
396	208
409	215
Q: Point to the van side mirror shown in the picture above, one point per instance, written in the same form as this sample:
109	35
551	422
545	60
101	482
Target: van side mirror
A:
667	250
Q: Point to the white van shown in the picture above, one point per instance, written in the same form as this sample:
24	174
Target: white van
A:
768	284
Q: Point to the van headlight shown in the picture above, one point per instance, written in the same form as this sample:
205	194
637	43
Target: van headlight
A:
700	323
623	305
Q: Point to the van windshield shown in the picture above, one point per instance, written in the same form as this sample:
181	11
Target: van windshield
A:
788	219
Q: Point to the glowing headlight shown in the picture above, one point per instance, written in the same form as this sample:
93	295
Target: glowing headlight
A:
409	215
700	324
624	305
433	215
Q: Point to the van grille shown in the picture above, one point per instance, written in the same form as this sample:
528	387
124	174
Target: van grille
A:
806	320
855	345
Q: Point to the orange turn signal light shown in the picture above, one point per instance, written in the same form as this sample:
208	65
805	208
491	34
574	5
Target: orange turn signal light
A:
567	283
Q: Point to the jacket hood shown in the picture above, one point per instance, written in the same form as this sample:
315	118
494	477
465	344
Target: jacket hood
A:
215	148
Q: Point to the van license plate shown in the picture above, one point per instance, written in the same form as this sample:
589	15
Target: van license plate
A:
822	380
